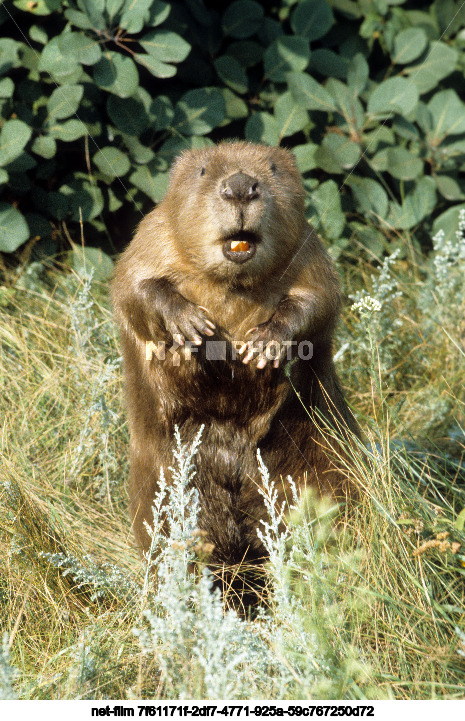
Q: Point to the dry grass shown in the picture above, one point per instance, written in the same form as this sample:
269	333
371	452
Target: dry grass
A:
63	448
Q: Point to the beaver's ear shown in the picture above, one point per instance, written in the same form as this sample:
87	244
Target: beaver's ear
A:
282	158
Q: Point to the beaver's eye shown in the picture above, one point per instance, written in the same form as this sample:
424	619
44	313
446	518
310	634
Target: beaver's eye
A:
202	171
273	168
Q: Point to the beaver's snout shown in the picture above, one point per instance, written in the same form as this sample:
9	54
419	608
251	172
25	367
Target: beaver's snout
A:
240	188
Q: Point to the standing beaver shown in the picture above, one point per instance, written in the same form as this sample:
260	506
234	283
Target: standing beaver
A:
228	256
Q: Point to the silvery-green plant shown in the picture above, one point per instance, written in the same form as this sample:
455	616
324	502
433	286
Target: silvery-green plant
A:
94	440
7	673
98	580
307	615
202	650
380	337
444	292
82	315
461	637
84	667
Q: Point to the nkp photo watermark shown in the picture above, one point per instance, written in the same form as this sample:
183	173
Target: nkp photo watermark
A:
222	350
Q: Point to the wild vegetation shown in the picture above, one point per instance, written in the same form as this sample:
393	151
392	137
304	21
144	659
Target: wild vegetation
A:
97	98
365	601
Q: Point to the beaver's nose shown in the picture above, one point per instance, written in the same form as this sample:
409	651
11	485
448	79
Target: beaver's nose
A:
240	187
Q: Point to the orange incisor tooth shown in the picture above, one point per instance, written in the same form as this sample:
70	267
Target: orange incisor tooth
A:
238	245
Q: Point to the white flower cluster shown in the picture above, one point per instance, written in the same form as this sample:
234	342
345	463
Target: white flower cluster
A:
367	305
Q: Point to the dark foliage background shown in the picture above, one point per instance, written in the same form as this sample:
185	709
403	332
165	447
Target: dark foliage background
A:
98	96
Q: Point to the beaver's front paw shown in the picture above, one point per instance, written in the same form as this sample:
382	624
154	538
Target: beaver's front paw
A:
186	321
269	342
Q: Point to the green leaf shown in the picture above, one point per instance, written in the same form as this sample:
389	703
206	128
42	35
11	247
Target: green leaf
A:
117	74
135	15
199	111
112	9
247	52
232	73
449	187
112	162
14	135
358	73
405	129
63	102
347	104
337	153
38	7
94	9
154	66
325	210
56	204
84	198
438	62
284	55
242	19
150	180
80	47
448	115
44	146
8	54
448	222
370	197
128	114
305	156
290	117
329	64
68	131
449	16
165	46
159	11
308	93
395	95
235	107
408	45
7	88
403	165
161	112
30	59
91	260
416	206
3	176
312	19
113	203
453	151
80	20
424	117
14	230
63	69
17	170
262	128
38	34
138	152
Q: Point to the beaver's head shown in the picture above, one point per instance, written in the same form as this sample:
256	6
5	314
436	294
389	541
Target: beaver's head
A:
237	209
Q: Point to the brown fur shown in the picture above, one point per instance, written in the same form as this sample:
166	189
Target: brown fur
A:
172	279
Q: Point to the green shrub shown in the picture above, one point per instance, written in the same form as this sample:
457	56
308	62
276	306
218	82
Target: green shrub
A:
97	98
